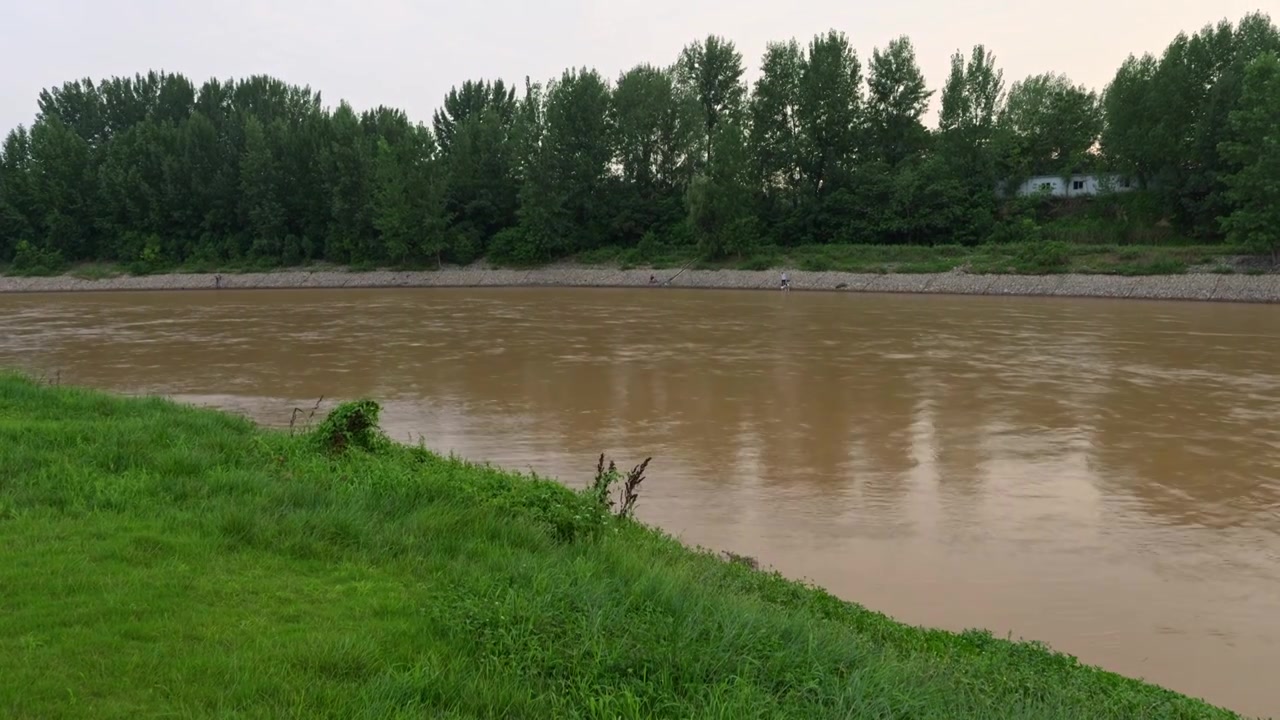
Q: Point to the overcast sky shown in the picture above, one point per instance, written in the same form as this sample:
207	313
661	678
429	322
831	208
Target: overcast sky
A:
408	54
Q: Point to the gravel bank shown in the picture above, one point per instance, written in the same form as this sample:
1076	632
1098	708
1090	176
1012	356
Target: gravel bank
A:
1229	288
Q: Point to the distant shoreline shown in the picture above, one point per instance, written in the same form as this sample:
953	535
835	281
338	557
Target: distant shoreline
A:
1193	286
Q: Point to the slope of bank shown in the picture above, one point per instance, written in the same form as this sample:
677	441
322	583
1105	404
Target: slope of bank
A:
164	560
1191	286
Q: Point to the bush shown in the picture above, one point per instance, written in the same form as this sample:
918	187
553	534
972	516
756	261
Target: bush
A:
466	247
145	251
514	246
30	259
762	261
1045	256
601	256
650	246
352	425
292	255
567	515
607	477
1015	230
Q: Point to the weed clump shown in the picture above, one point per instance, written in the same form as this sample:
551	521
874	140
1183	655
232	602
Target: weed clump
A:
736	559
606	478
1045	256
352	425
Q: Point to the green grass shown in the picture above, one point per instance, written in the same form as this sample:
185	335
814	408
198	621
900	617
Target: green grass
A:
96	271
165	561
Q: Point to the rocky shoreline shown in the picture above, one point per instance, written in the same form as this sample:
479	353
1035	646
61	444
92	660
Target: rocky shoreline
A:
1194	286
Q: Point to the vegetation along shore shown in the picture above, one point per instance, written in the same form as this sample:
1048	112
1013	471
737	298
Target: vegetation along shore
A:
163	559
826	157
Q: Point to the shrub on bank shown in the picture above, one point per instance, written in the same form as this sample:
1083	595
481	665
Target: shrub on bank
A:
33	261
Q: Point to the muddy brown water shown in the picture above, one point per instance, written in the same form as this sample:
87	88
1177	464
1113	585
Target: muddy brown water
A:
1100	475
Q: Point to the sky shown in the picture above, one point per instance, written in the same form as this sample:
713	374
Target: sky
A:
408	54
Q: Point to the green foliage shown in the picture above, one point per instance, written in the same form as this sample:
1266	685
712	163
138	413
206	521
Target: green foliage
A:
561	208
513	248
711	72
466	245
158	559
29	259
1049	126
897	100
142	253
1169	120
607	478
775	135
1016	230
352	425
567	517
829	109
1254	149
971	97
152	171
1044	256
719	201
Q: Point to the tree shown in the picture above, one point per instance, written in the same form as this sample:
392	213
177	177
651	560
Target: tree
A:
135	197
392	214
719	200
79	106
264	217
774	137
1168	118
16	200
1225	55
62	189
208	184
349	177
425	181
1254	188
474	100
1130	109
150	166
971	97
653	126
711	71
564	205
896	101
966	173
1050	124
829	108
474	131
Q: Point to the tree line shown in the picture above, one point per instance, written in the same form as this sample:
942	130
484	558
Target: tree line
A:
825	147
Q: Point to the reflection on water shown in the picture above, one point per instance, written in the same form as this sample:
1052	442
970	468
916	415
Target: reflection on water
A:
1104	476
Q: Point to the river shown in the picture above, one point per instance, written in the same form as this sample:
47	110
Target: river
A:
1100	475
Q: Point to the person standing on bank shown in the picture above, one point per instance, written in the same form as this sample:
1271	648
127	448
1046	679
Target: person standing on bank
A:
786	284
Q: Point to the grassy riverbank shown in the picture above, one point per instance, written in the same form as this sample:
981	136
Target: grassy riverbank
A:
163	560
1039	258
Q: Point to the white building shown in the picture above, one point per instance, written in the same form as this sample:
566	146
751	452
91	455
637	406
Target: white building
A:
1074	185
